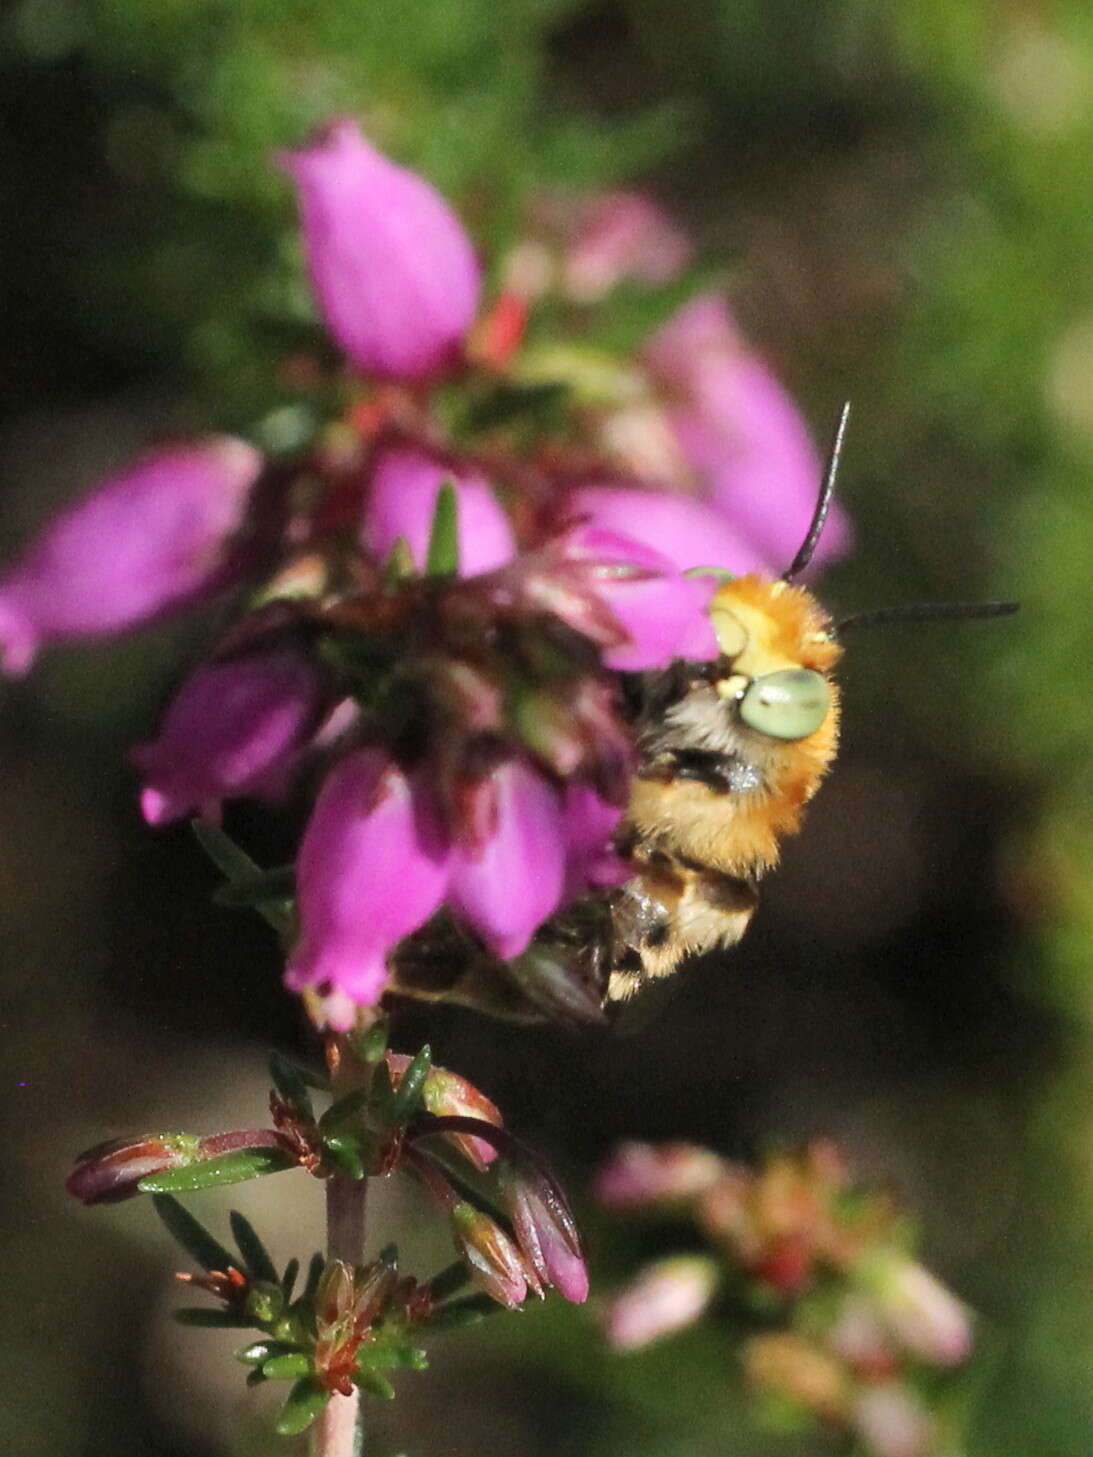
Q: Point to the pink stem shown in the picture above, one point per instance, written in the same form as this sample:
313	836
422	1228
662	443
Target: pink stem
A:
336	1432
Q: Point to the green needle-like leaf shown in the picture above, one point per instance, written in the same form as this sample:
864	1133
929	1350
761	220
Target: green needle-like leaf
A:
230	1168
278	884
345	1110
343	1150
288	1279
314	1274
398	1356
442	559
305	1401
289	1081
374	1384
255	1255
408	1095
238	868
371	1044
287	1367
194	1238
452	1278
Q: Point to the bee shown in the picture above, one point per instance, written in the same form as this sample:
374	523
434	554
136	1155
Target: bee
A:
729	755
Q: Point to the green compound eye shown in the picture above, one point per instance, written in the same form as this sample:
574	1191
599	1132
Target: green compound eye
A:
787	705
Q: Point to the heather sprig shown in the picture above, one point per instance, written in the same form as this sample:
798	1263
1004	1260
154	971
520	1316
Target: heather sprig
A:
832	1319
353	1321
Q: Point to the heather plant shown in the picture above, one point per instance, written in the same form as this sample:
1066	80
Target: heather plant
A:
477	526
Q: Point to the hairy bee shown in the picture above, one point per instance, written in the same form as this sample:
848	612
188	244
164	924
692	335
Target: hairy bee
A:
729	754
729	757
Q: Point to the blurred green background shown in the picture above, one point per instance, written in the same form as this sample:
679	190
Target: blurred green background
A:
902	194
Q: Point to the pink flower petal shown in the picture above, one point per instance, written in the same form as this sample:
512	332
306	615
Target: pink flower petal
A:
372	868
150	539
405	483
235	728
393	271
508	887
687	532
743	435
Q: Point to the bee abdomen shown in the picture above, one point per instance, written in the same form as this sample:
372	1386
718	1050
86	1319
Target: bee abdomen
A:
671	911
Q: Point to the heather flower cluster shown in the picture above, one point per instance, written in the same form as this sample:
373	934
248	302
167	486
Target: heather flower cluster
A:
835	1321
351	1323
449	572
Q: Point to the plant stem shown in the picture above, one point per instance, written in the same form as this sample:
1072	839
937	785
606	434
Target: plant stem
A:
337	1430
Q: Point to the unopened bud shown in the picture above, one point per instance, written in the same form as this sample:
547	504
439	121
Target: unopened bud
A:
446	1095
666	1296
790	1366
640	1174
925	1317
112	1171
546	1233
893	1422
496	1264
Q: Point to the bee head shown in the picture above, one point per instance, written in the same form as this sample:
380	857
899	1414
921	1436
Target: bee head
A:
778	652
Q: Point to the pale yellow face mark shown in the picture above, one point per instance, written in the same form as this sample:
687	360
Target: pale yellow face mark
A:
744	634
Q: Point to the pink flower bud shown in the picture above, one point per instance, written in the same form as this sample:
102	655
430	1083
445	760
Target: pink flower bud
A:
496	1265
640	1175
447	1095
405	482
110	1172
925	1317
508	885
153	538
236	727
893	1422
372	868
622	235
392	269
666	1296
546	1234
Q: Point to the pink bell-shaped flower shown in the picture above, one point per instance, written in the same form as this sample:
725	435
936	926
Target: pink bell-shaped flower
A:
154	537
236	727
509	884
405	482
392	269
372	867
742	434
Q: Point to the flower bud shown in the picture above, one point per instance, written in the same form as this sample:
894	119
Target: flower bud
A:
392	269
447	1095
546	1233
925	1317
496	1265
622	235
639	1175
893	1422
403	488
789	1365
152	538
667	1296
111	1171
236	727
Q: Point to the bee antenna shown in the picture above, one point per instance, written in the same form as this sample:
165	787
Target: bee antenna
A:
926	612
823	502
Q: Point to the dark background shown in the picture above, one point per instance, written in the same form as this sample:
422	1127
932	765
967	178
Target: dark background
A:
902	195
